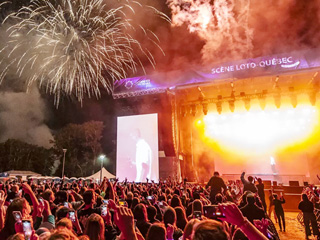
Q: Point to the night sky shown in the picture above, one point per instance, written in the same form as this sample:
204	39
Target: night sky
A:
277	26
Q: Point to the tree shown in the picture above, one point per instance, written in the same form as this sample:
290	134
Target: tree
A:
82	142
18	155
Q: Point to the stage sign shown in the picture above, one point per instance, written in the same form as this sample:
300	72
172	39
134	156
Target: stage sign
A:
263	66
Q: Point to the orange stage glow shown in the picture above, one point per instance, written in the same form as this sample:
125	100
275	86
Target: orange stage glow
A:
258	132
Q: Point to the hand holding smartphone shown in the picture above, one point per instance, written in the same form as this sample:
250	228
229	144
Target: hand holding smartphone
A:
27	228
197	214
104	210
17	216
213	212
122	203
72	216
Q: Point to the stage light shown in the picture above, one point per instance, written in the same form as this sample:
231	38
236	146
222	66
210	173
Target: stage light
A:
193	110
231	105
261	131
313	98
246	100
277	100
293	97
277	96
247	103
262	99
205	108
232	100
219	104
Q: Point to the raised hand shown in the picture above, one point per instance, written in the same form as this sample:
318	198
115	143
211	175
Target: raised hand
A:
123	218
170	231
232	213
26	188
40	208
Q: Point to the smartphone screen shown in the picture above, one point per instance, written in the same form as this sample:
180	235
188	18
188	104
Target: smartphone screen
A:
26	226
213	212
197	214
106	202
104	210
122	203
72	216
66	204
17	215
150	198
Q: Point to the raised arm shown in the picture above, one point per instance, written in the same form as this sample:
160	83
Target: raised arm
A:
3	197
234	216
243	180
111	190
27	189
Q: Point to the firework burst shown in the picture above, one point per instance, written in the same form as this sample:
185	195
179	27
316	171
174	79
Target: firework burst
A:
72	46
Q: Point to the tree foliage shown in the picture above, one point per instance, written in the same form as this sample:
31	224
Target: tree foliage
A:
18	155
82	142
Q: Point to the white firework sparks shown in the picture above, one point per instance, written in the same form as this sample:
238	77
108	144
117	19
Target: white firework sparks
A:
71	46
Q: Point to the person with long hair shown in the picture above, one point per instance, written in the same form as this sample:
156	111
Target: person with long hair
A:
181	217
94	228
157	231
21	205
189	229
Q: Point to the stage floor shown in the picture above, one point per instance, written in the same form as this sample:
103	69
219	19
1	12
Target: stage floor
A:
294	230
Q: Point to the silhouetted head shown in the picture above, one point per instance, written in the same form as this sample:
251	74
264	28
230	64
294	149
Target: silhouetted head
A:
250	199
216	174
305	197
250	179
209	229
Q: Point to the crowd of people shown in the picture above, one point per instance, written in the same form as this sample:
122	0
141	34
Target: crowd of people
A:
168	210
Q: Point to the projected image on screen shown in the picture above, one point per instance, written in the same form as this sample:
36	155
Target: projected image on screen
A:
137	148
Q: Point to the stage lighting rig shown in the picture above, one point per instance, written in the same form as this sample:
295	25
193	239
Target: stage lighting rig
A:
313	97
277	95
219	104
262	99
205	108
246	100
232	98
277	100
231	105
293	97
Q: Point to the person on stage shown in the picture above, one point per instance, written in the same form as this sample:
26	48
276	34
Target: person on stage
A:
248	185
216	184
306	206
143	158
260	187
279	210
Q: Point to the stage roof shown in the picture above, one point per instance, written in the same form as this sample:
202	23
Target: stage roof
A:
275	65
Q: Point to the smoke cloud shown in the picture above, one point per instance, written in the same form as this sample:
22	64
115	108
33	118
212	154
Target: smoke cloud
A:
237	29
23	116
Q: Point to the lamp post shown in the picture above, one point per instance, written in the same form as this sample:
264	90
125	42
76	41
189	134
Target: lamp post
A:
64	159
101	158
